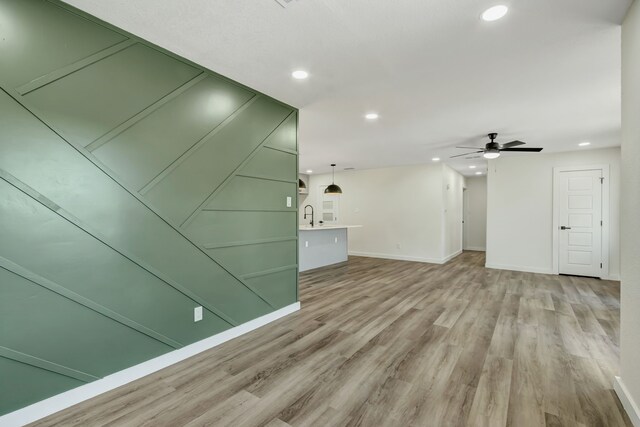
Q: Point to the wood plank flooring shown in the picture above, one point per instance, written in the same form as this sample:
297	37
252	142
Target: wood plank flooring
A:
394	343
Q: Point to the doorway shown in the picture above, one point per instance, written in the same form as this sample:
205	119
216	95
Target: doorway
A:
580	226
465	218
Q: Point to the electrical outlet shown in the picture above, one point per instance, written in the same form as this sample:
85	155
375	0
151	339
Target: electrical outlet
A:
398	245
197	314
288	201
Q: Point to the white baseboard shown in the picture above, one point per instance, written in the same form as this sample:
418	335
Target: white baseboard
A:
74	396
520	268
476	248
627	401
397	257
451	256
525	269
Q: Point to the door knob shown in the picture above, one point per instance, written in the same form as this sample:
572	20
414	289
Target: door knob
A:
562	227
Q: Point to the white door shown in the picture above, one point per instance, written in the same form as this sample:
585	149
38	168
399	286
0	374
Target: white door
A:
580	222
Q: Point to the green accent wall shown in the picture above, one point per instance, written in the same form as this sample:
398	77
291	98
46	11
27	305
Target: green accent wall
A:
134	186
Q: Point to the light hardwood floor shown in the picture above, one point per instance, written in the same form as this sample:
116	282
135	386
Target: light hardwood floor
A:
394	343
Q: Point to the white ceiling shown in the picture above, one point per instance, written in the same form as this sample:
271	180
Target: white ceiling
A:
548	73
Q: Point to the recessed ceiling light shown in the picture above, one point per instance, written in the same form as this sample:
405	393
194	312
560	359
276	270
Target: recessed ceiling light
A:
472	167
584	144
309	171
300	74
435	159
478	173
494	13
371	116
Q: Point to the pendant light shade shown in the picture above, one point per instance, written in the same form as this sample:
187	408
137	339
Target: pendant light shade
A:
333	188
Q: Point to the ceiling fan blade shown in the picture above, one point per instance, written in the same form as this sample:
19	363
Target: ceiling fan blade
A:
523	150
512	144
466	154
471	148
473	157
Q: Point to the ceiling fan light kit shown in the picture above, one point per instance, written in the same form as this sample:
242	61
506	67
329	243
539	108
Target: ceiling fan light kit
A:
492	150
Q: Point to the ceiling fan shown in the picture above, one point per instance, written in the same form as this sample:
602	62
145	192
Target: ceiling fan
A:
492	149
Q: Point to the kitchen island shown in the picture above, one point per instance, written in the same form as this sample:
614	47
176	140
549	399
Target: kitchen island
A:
322	245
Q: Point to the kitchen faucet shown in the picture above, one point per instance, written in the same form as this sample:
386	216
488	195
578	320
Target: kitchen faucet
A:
305	213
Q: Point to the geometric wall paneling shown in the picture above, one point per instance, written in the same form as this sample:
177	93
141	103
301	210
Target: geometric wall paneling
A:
256	258
274	164
243	193
220	228
248	213
163	136
129	81
24	384
26	55
186	186
276	286
53	168
272	193
71	258
69	335
134	186
286	137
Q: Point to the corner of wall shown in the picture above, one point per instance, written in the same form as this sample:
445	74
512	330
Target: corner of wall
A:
629	405
629	382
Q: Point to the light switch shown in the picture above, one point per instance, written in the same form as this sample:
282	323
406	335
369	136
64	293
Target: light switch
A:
306	244
288	201
335	240
197	314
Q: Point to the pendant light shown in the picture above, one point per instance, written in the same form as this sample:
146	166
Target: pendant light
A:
333	188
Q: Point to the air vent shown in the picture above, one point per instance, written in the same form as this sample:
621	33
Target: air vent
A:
285	3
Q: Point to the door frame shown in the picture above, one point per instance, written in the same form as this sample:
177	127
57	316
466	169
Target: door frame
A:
605	215
465	218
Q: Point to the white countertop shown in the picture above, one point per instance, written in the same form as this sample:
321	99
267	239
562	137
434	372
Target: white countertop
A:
326	227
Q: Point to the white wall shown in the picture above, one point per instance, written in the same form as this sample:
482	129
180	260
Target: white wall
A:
629	387
452	191
401	210
476	214
519	208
